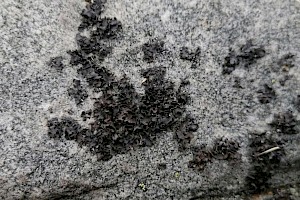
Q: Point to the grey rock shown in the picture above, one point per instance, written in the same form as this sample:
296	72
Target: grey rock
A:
35	166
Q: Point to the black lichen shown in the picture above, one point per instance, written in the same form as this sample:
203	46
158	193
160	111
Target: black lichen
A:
263	165
55	129
152	49
247	56
77	57
91	14
97	45
250	53
187	54
78	92
162	166
201	157
223	149
64	127
91	45
266	94
96	77
285	123
106	28
86	115
56	63
297	103
122	119
230	63
286	62
237	83
284	79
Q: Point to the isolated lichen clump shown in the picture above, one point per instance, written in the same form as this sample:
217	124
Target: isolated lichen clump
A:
285	123
192	56
248	55
223	149
266	94
152	49
122	118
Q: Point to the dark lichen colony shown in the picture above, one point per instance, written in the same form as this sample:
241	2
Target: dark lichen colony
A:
123	119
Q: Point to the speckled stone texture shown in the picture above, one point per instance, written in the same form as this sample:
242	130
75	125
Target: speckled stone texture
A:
258	100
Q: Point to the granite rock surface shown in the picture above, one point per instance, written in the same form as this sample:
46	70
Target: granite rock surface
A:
149	99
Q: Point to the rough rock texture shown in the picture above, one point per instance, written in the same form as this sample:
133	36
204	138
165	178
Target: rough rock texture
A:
68	77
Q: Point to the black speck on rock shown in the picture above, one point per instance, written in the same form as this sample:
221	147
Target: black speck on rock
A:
263	165
230	63
284	79
152	49
266	94
86	115
248	55
287	62
78	92
285	122
56	63
162	166
251	53
237	83
187	54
